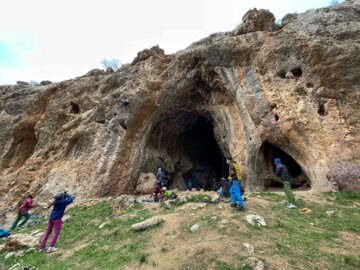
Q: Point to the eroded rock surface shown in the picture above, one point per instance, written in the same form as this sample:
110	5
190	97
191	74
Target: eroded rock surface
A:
260	93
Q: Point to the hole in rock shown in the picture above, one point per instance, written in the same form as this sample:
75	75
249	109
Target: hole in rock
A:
276	117
74	108
269	152
281	74
188	149
309	84
297	72
321	111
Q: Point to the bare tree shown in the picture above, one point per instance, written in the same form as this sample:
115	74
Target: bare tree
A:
115	64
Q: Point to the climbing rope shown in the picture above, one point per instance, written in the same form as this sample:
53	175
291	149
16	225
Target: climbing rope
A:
162	124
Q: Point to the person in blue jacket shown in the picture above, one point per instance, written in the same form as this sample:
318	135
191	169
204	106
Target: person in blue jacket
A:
62	199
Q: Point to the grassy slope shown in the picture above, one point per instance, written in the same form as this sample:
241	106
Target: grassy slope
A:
289	240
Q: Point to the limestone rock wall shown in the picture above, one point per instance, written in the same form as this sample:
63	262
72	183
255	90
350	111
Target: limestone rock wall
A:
293	88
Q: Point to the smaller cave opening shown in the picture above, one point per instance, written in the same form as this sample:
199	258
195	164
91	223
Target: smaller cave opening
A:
309	84
321	110
301	91
297	72
75	109
276	117
269	153
281	74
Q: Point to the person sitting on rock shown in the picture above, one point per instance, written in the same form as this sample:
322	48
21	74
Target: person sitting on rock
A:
160	177
62	199
23	212
282	171
235	176
157	193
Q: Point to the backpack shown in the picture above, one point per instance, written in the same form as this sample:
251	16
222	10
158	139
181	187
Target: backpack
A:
173	195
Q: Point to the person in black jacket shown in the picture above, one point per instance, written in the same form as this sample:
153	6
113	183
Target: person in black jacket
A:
282	171
159	178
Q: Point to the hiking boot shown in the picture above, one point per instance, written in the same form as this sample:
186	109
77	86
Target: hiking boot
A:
51	249
233	205
240	208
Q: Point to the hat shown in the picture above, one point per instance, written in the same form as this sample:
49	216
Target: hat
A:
164	188
157	187
277	160
29	196
59	196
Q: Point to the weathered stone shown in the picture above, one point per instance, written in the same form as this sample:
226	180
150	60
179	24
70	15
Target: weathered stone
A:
20	253
330	213
146	183
255	263
9	255
22	83
257	20
147	53
214	218
15	241
66	218
248	248
255	220
167	204
194	228
147	223
45	82
214	197
122	203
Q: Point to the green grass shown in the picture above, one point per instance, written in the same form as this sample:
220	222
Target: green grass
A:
108	248
273	197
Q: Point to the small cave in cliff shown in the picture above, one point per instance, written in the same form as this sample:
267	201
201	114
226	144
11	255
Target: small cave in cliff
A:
268	153
187	148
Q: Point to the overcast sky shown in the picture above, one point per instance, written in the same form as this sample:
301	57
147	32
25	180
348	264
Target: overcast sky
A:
58	40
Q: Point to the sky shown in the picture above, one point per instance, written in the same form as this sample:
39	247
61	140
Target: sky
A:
58	40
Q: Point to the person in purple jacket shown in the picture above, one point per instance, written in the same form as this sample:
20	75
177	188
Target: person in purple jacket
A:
62	199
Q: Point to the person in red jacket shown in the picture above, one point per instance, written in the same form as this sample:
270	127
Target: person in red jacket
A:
156	192
23	212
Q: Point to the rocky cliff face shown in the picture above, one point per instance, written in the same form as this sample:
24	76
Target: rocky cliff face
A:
259	92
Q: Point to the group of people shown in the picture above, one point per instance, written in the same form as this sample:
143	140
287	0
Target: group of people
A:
61	200
231	186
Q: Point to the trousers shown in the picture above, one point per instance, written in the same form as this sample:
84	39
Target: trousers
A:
289	195
56	224
19	216
235	193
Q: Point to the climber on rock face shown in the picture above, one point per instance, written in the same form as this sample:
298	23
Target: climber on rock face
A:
235	176
160	177
282	171
126	102
23	212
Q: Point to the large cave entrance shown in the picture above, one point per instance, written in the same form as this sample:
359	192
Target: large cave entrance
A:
268	153
185	147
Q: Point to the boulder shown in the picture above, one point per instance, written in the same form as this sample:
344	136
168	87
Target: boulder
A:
257	20
9	255
255	263
255	220
20	253
214	197
146	183
122	203
167	204
147	223
330	213
147	53
214	218
248	248
22	83
65	218
16	241
45	82
194	228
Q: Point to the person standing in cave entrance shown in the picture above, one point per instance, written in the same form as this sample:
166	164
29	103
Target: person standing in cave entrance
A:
160	177
235	176
282	171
